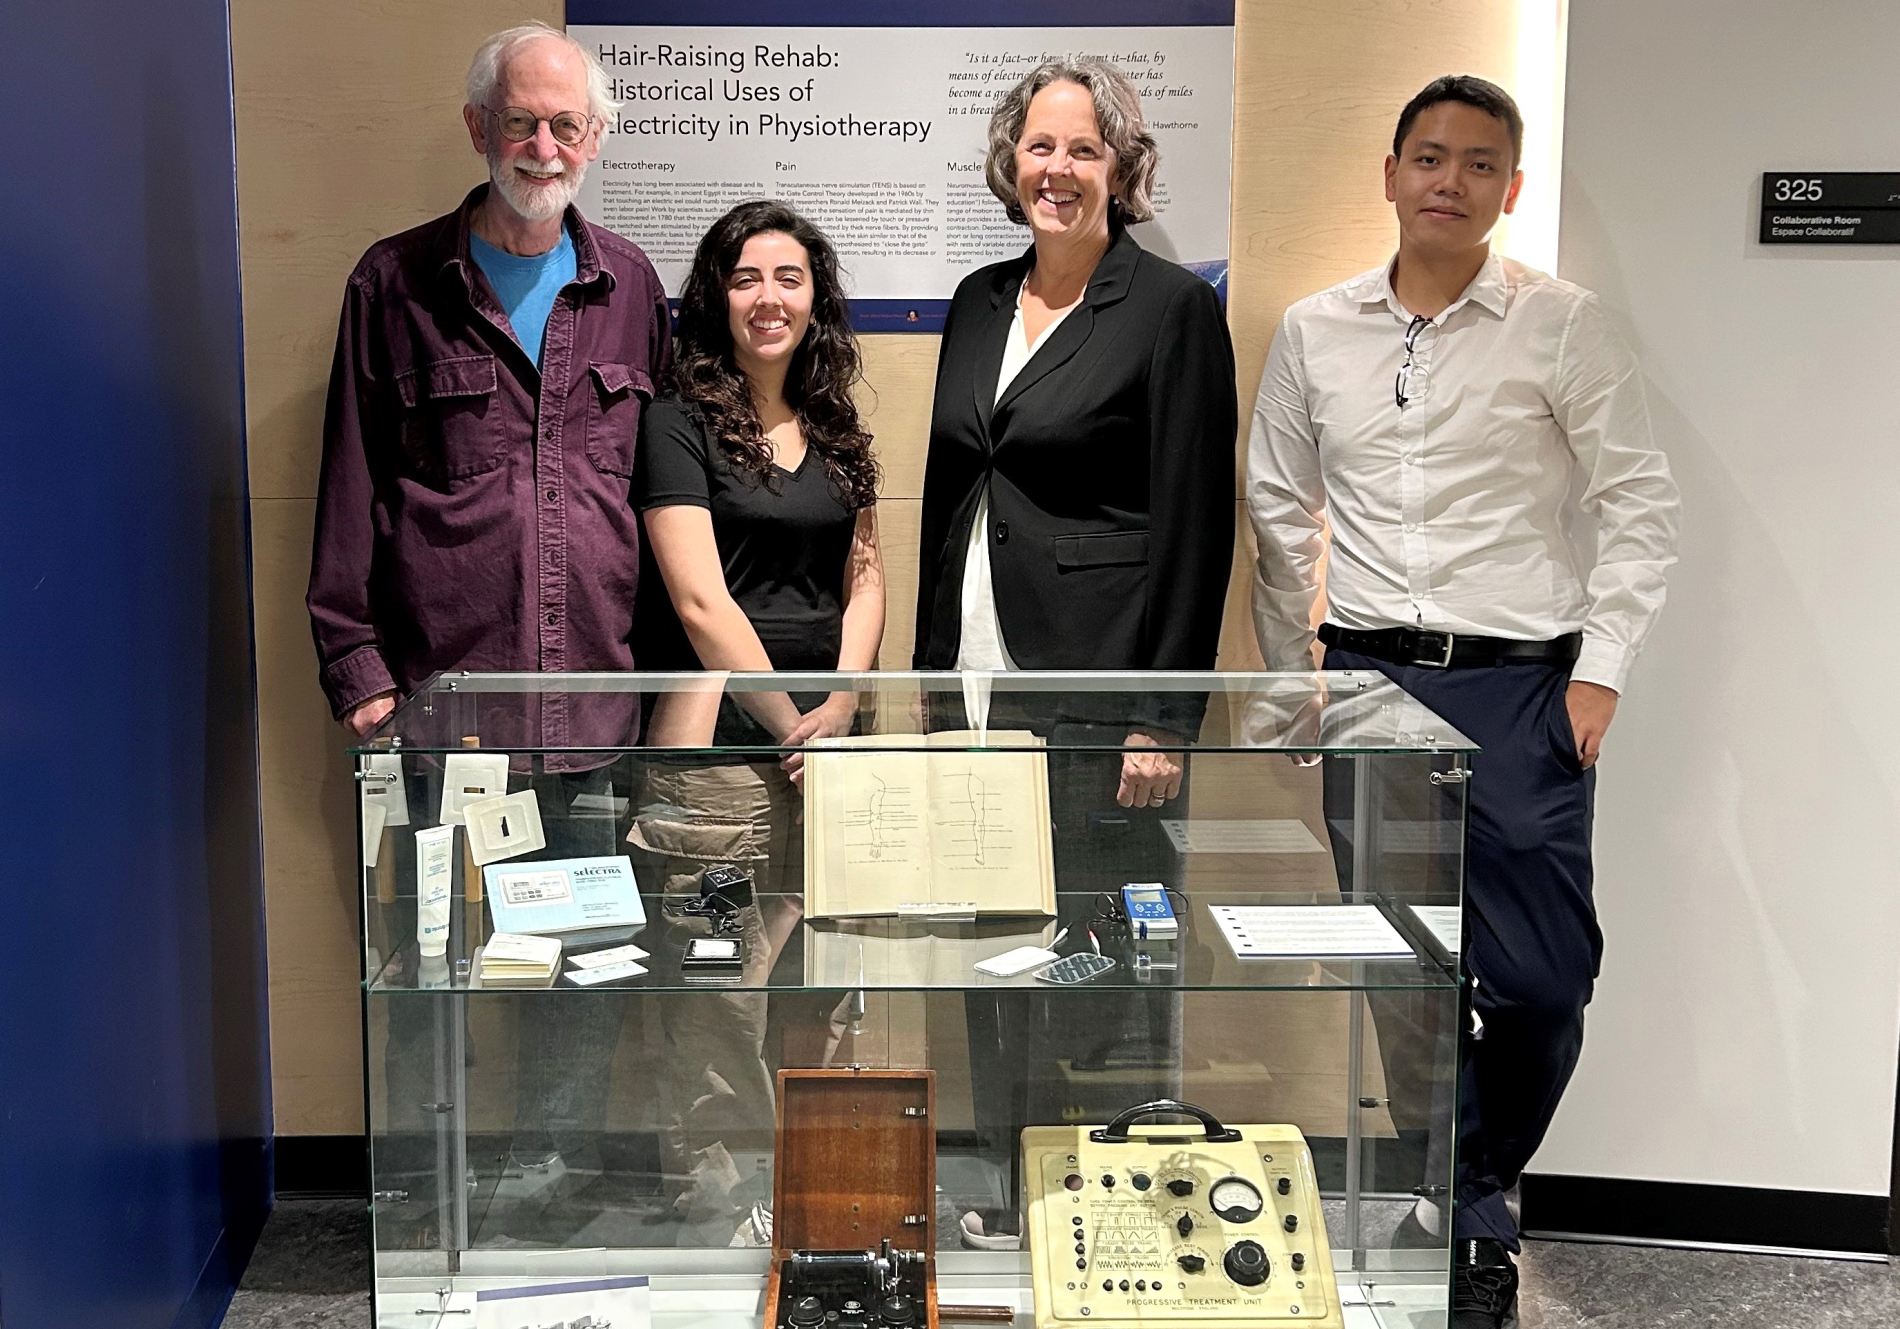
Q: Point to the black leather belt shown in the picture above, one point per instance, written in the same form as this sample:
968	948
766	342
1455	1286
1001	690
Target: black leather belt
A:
1449	650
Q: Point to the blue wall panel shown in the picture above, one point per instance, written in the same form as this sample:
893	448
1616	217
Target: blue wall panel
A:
134	1111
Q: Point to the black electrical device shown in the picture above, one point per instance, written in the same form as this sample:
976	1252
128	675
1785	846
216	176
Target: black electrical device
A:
870	1289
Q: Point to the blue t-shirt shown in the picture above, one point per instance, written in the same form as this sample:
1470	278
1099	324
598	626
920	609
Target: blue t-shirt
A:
526	286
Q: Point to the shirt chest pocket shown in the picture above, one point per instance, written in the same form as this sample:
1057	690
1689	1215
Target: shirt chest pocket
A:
451	426
616	394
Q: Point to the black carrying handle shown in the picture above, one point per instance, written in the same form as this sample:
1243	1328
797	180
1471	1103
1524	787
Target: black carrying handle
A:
1116	1132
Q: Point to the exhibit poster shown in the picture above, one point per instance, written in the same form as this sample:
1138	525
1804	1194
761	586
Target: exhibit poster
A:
873	120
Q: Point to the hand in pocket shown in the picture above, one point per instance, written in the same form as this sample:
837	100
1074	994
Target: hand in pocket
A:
1591	707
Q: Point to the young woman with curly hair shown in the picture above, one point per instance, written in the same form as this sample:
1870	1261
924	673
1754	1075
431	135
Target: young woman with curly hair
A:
757	482
758	490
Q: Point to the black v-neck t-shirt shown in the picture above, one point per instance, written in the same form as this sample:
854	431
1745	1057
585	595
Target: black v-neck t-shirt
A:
782	542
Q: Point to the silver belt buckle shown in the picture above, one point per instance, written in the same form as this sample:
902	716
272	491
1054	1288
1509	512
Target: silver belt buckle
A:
1444	662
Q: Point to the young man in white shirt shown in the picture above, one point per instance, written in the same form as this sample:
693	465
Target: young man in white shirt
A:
1449	416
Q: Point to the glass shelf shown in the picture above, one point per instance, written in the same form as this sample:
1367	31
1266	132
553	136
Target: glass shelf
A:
916	954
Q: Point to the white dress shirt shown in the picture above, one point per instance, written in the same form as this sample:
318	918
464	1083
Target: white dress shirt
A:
981	644
1525	411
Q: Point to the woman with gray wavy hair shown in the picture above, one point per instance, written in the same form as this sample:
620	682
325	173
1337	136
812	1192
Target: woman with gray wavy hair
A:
1078	514
1078	498
1117	119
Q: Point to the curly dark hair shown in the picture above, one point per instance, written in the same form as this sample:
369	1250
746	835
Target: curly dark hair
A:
824	368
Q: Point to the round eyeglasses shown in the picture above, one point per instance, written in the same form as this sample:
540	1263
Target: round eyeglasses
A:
518	125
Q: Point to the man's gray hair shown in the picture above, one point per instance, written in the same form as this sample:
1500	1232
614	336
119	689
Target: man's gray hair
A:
493	55
1117	116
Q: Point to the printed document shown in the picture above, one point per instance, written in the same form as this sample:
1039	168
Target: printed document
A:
1274	932
906	823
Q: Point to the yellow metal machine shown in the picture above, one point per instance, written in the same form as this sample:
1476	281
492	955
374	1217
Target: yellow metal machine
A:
1157	1226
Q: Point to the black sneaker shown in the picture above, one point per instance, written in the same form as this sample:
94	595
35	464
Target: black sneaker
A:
1483	1285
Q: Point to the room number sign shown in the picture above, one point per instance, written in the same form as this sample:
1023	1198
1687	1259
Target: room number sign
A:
1830	208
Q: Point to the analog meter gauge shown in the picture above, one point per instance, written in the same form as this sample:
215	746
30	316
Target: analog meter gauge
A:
1235	1201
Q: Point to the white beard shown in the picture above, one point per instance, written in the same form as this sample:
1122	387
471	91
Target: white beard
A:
536	202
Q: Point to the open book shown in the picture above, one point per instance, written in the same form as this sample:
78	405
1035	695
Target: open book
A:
936	828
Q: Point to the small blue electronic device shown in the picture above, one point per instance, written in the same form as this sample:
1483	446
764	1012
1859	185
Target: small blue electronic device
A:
1150	916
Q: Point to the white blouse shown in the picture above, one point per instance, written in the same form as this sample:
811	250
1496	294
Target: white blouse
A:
981	645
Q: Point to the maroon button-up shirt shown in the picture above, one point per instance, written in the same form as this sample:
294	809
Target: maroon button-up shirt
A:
474	510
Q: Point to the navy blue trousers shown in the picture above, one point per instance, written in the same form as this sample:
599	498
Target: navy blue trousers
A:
1531	943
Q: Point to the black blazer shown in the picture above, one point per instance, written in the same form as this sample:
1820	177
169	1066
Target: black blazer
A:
1110	466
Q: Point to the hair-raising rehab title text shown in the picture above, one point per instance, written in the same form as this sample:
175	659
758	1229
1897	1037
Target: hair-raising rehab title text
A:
703	91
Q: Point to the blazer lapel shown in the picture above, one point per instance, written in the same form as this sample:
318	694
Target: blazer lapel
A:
1107	285
989	360
1057	349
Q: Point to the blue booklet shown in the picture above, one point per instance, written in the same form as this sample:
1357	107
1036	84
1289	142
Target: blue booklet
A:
564	895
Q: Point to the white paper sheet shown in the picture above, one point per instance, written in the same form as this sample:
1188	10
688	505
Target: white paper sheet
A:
1264	932
1443	921
606	973
519	948
375	817
1278	836
601	959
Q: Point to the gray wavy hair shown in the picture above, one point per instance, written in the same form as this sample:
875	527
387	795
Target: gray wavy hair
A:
493	55
1117	116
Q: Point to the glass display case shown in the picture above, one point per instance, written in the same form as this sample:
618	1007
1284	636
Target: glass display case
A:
616	936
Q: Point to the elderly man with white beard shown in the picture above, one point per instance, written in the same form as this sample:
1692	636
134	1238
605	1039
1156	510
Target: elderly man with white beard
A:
473	513
484	404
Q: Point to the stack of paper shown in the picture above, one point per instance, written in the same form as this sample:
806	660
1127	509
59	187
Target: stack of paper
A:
611	966
511	960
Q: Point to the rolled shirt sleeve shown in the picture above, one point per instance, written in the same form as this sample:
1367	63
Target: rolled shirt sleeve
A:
1286	505
1601	407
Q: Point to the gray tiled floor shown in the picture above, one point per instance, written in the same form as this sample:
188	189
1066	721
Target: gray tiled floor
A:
311	1271
1571	1286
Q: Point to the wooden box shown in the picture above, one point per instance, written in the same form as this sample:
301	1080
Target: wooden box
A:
856	1163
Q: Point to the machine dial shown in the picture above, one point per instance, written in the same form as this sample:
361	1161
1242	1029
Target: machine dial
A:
1235	1201
1181	1219
1190	1259
1246	1263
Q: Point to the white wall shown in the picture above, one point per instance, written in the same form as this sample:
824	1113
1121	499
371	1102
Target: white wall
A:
1748	847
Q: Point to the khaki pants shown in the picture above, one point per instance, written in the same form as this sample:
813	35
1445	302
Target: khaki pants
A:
716	1098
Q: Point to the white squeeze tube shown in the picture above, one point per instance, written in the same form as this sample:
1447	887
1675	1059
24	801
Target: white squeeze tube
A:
435	875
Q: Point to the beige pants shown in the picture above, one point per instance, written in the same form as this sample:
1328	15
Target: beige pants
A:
716	1099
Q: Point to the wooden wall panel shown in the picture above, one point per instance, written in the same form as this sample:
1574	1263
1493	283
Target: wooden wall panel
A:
1319	86
349	129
